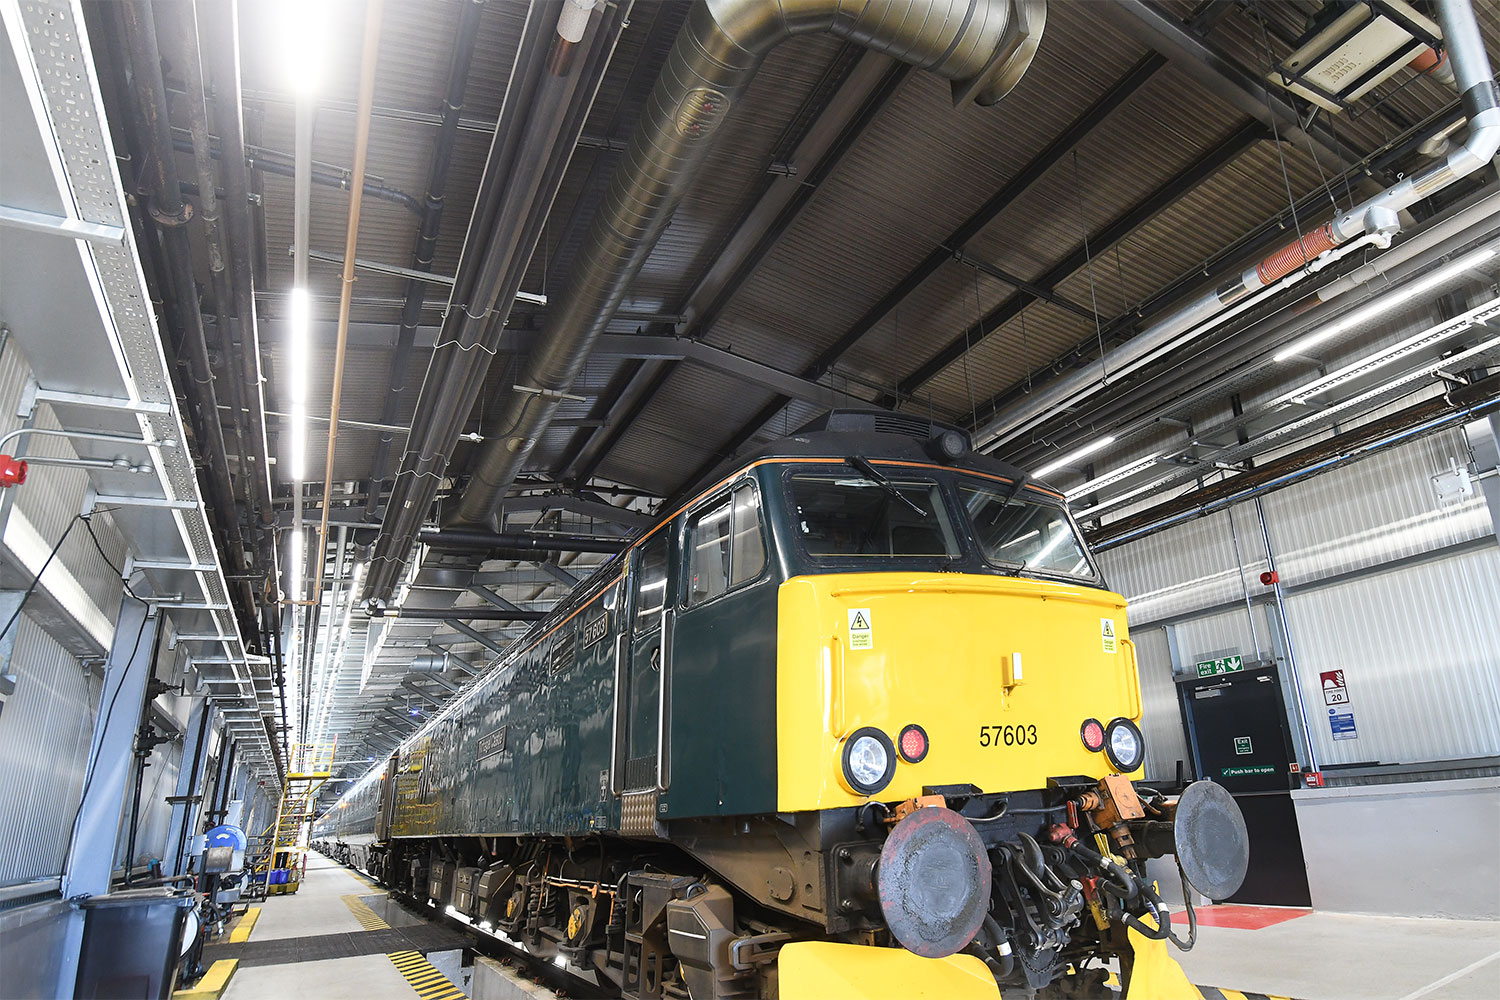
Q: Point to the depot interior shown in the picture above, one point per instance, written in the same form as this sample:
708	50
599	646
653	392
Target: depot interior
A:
341	340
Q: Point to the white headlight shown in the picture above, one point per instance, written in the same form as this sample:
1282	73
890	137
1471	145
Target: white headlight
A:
868	761
1124	746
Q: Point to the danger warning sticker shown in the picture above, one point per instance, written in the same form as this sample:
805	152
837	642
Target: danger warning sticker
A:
1107	632
861	631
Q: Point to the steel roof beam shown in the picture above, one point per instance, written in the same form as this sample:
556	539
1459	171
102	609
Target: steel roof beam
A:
494	598
865	92
1165	195
559	574
1230	258
574	504
1055	152
480	637
1223	77
408	684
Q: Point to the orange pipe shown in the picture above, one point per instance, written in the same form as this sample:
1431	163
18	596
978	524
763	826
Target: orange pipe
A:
1292	256
351	237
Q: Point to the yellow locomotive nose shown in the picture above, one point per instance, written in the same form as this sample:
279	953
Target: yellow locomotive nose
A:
889	682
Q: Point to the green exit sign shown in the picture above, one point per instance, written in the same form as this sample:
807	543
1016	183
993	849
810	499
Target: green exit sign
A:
1223	665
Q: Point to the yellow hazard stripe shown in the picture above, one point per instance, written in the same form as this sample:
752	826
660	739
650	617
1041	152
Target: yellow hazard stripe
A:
213	984
1223	993
245	925
368	918
425	980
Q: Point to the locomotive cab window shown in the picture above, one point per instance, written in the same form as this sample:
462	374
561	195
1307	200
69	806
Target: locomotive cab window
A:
855	515
1016	531
651	583
725	544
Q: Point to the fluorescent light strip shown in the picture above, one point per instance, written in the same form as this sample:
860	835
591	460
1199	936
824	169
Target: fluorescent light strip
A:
297	364
1074	456
1371	311
1109	478
294	567
301	34
1395	352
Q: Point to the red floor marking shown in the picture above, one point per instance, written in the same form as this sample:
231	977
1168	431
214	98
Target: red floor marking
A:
1245	918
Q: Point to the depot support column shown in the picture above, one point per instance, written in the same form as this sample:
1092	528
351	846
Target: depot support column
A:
91	854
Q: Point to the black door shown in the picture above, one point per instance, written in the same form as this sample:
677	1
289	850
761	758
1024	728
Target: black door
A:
1238	730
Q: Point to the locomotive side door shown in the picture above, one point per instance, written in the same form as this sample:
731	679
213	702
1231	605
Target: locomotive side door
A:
642	702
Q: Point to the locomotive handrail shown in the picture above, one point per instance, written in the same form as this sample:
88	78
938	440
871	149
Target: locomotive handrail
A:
664	700
836	710
1133	681
617	731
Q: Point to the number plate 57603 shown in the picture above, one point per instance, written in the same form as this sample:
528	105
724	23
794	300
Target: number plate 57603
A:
1007	736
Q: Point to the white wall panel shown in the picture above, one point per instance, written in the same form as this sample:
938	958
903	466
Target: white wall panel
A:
1185	568
1420	647
44	745
1161	716
1374	511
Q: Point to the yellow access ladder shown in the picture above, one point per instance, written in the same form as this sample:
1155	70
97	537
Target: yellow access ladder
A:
312	764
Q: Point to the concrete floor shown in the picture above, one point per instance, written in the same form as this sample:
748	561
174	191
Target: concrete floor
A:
1336	956
1311	956
317	908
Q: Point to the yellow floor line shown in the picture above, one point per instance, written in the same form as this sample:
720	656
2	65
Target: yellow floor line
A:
213	983
368	918
245	925
426	981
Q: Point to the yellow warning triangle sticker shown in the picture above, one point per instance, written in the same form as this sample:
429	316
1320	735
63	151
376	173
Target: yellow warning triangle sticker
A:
859	621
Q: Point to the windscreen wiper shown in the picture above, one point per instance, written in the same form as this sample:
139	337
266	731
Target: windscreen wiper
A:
869	471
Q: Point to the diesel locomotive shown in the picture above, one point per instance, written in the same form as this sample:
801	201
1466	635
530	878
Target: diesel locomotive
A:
860	719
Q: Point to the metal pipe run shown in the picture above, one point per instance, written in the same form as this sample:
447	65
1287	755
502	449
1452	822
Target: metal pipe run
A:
1459	404
983	46
460	538
373	12
171	215
274	161
1375	218
427	234
238	235
458	614
556	75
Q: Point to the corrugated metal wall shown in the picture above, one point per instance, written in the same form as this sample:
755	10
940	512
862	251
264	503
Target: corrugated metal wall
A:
44	746
1383	581
1372	512
54	494
1161	724
153	826
1420	650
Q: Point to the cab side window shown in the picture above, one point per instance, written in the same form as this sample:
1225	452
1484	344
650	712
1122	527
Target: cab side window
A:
725	545
651	584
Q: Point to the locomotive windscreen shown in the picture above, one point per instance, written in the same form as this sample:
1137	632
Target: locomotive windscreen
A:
1016	532
848	515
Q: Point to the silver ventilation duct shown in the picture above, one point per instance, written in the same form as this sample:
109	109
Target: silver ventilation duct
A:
984	46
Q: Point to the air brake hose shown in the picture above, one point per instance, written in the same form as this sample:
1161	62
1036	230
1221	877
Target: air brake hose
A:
1000	967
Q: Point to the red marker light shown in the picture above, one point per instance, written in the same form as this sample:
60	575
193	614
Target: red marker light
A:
913	743
1092	734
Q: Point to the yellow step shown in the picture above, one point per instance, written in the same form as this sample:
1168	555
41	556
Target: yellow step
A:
213	984
246	924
